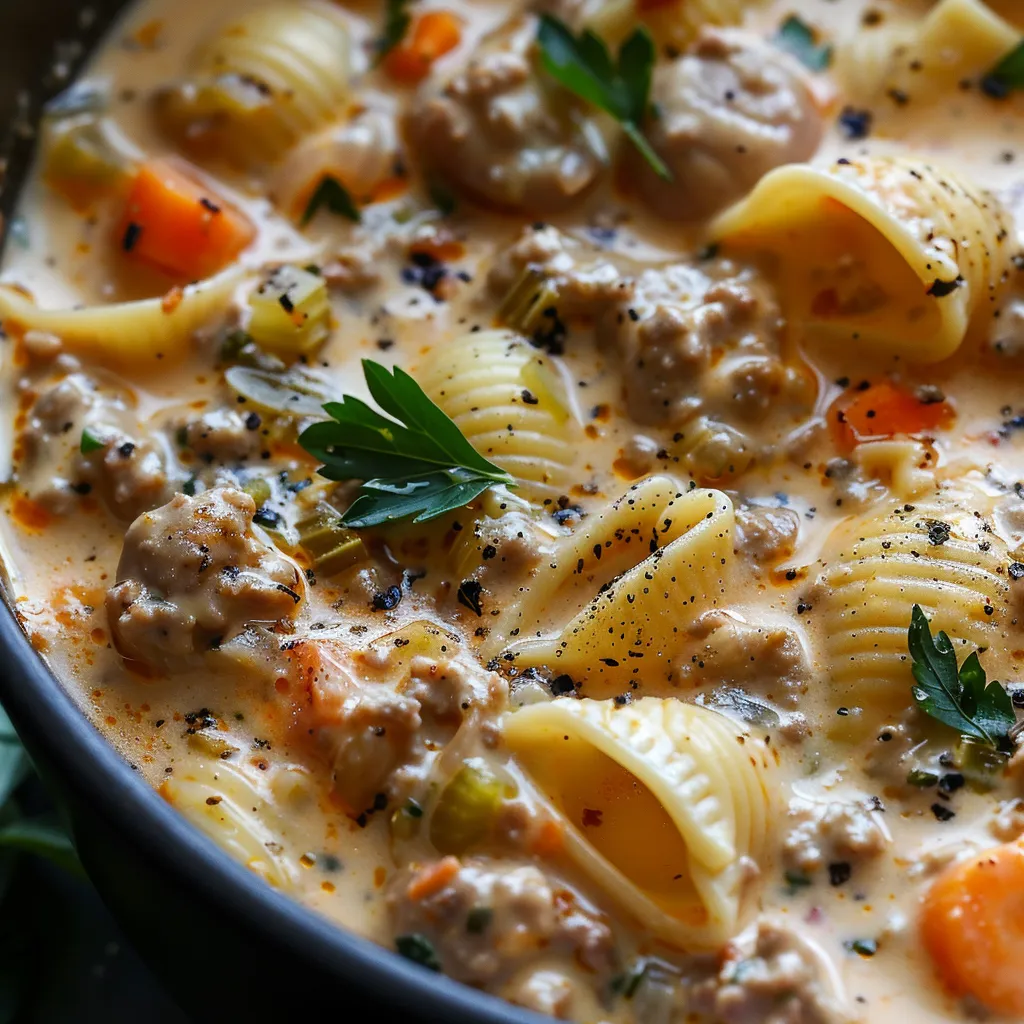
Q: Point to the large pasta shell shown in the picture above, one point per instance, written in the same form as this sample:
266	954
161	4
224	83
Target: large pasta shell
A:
893	254
662	801
938	554
508	400
612	608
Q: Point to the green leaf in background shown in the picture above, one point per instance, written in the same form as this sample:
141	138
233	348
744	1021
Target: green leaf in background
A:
14	764
797	38
44	838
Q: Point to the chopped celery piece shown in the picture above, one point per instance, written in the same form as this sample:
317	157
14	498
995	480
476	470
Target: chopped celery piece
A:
334	547
238	347
524	305
259	490
294	393
82	164
979	763
290	312
467	807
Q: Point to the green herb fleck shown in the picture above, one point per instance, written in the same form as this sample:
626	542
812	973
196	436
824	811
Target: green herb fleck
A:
921	778
443	198
396	24
332	194
419	467
797	880
419	949
796	37
90	443
863	947
584	66
961	699
413	809
1007	75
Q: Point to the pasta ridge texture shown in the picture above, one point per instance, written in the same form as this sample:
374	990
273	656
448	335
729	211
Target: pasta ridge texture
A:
701	777
876	568
508	401
233	810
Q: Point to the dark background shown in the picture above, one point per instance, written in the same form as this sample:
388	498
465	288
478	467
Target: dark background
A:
62	958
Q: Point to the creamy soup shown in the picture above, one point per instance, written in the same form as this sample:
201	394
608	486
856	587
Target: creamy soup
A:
540	483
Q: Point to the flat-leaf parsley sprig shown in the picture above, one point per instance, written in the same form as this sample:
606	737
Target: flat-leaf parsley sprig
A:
585	67
420	466
958	698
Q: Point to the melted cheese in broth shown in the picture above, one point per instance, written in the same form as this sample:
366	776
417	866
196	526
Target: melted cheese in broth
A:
346	731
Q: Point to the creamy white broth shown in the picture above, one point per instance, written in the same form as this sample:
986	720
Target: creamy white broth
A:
343	861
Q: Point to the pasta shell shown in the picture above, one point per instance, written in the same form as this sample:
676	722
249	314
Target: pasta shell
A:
625	587
661	799
904	255
262	82
937	554
508	400
141	335
927	58
233	810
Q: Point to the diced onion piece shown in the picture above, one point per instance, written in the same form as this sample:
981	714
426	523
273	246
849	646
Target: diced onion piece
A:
334	547
83	164
295	393
291	313
524	305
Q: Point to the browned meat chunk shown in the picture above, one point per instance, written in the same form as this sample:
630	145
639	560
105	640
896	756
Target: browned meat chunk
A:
495	130
126	471
194	573
775	978
490	917
723	115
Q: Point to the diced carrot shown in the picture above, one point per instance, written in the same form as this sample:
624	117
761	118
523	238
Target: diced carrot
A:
550	839
885	410
175	223
972	925
432	36
432	879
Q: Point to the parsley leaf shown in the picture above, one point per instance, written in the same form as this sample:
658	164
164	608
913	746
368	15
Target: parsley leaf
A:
90	442
796	37
584	66
332	194
1008	74
957	699
421	466
419	949
396	24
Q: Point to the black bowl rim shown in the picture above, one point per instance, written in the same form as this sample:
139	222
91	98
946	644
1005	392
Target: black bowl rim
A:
90	766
